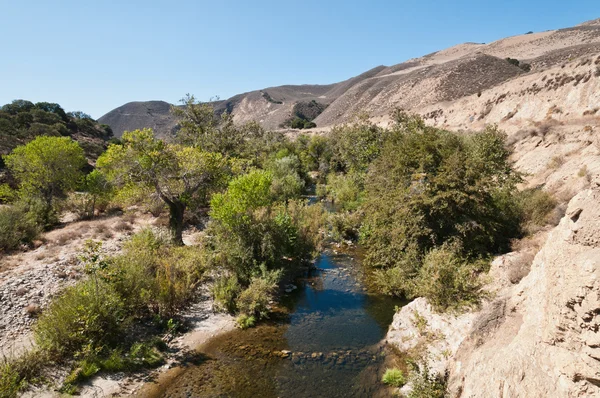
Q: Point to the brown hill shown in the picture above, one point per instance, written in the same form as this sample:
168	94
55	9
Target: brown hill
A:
463	83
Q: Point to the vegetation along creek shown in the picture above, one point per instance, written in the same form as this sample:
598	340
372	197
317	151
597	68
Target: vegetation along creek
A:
323	342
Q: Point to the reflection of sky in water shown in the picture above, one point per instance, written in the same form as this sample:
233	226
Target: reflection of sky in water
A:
334	312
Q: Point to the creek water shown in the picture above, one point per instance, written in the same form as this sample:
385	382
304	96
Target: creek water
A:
324	344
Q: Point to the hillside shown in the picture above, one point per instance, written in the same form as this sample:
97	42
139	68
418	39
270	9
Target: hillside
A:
461	83
21	121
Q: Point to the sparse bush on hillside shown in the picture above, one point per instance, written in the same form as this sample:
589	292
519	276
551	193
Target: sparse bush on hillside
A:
394	377
536	206
17	226
47	168
426	384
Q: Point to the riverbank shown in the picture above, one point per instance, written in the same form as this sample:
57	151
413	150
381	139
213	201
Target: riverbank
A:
204	324
326	342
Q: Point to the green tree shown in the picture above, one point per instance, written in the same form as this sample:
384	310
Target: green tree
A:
177	174
47	168
429	189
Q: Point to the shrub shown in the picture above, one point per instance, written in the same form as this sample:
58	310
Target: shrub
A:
394	377
346	225
17	226
427	385
448	280
430	188
224	291
535	207
18	373
89	313
153	275
244	321
346	190
256	299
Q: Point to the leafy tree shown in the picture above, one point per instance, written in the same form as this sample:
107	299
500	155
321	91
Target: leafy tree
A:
177	174
431	188
47	168
356	145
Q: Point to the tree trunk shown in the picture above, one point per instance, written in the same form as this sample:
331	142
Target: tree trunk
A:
176	210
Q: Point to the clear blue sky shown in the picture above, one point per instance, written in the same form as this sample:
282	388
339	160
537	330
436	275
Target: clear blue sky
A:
96	55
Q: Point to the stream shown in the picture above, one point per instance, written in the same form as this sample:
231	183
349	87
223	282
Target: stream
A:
324	344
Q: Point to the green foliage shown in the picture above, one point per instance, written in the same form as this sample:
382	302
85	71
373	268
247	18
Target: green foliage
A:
427	385
255	300
288	182
252	236
314	153
535	206
437	203
346	190
225	290
244	321
355	146
47	168
7	194
178	175
345	225
244	195
90	312
394	377
151	276
16	374
21	121
449	280
17	226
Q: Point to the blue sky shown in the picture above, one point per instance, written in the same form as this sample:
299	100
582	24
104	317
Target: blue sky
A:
96	55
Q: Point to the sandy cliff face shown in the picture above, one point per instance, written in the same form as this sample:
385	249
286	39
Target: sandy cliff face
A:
541	337
538	336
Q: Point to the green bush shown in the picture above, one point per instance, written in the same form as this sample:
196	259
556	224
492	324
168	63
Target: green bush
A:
89	313
255	300
394	377
448	280
346	190
224	291
153	276
17	226
427	385
535	206
244	321
17	374
430	188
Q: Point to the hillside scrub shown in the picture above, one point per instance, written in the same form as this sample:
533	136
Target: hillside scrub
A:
22	121
46	169
95	324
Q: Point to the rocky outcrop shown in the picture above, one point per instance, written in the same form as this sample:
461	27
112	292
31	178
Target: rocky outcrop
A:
539	336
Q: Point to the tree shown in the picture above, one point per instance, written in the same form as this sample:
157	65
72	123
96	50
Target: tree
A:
47	168
177	174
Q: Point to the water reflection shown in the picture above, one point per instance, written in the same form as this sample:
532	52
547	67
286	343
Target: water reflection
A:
330	341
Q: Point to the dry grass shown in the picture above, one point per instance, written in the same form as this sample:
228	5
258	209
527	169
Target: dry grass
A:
66	237
122	226
556	162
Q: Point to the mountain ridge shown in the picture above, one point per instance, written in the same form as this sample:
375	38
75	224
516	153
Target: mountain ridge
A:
436	79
